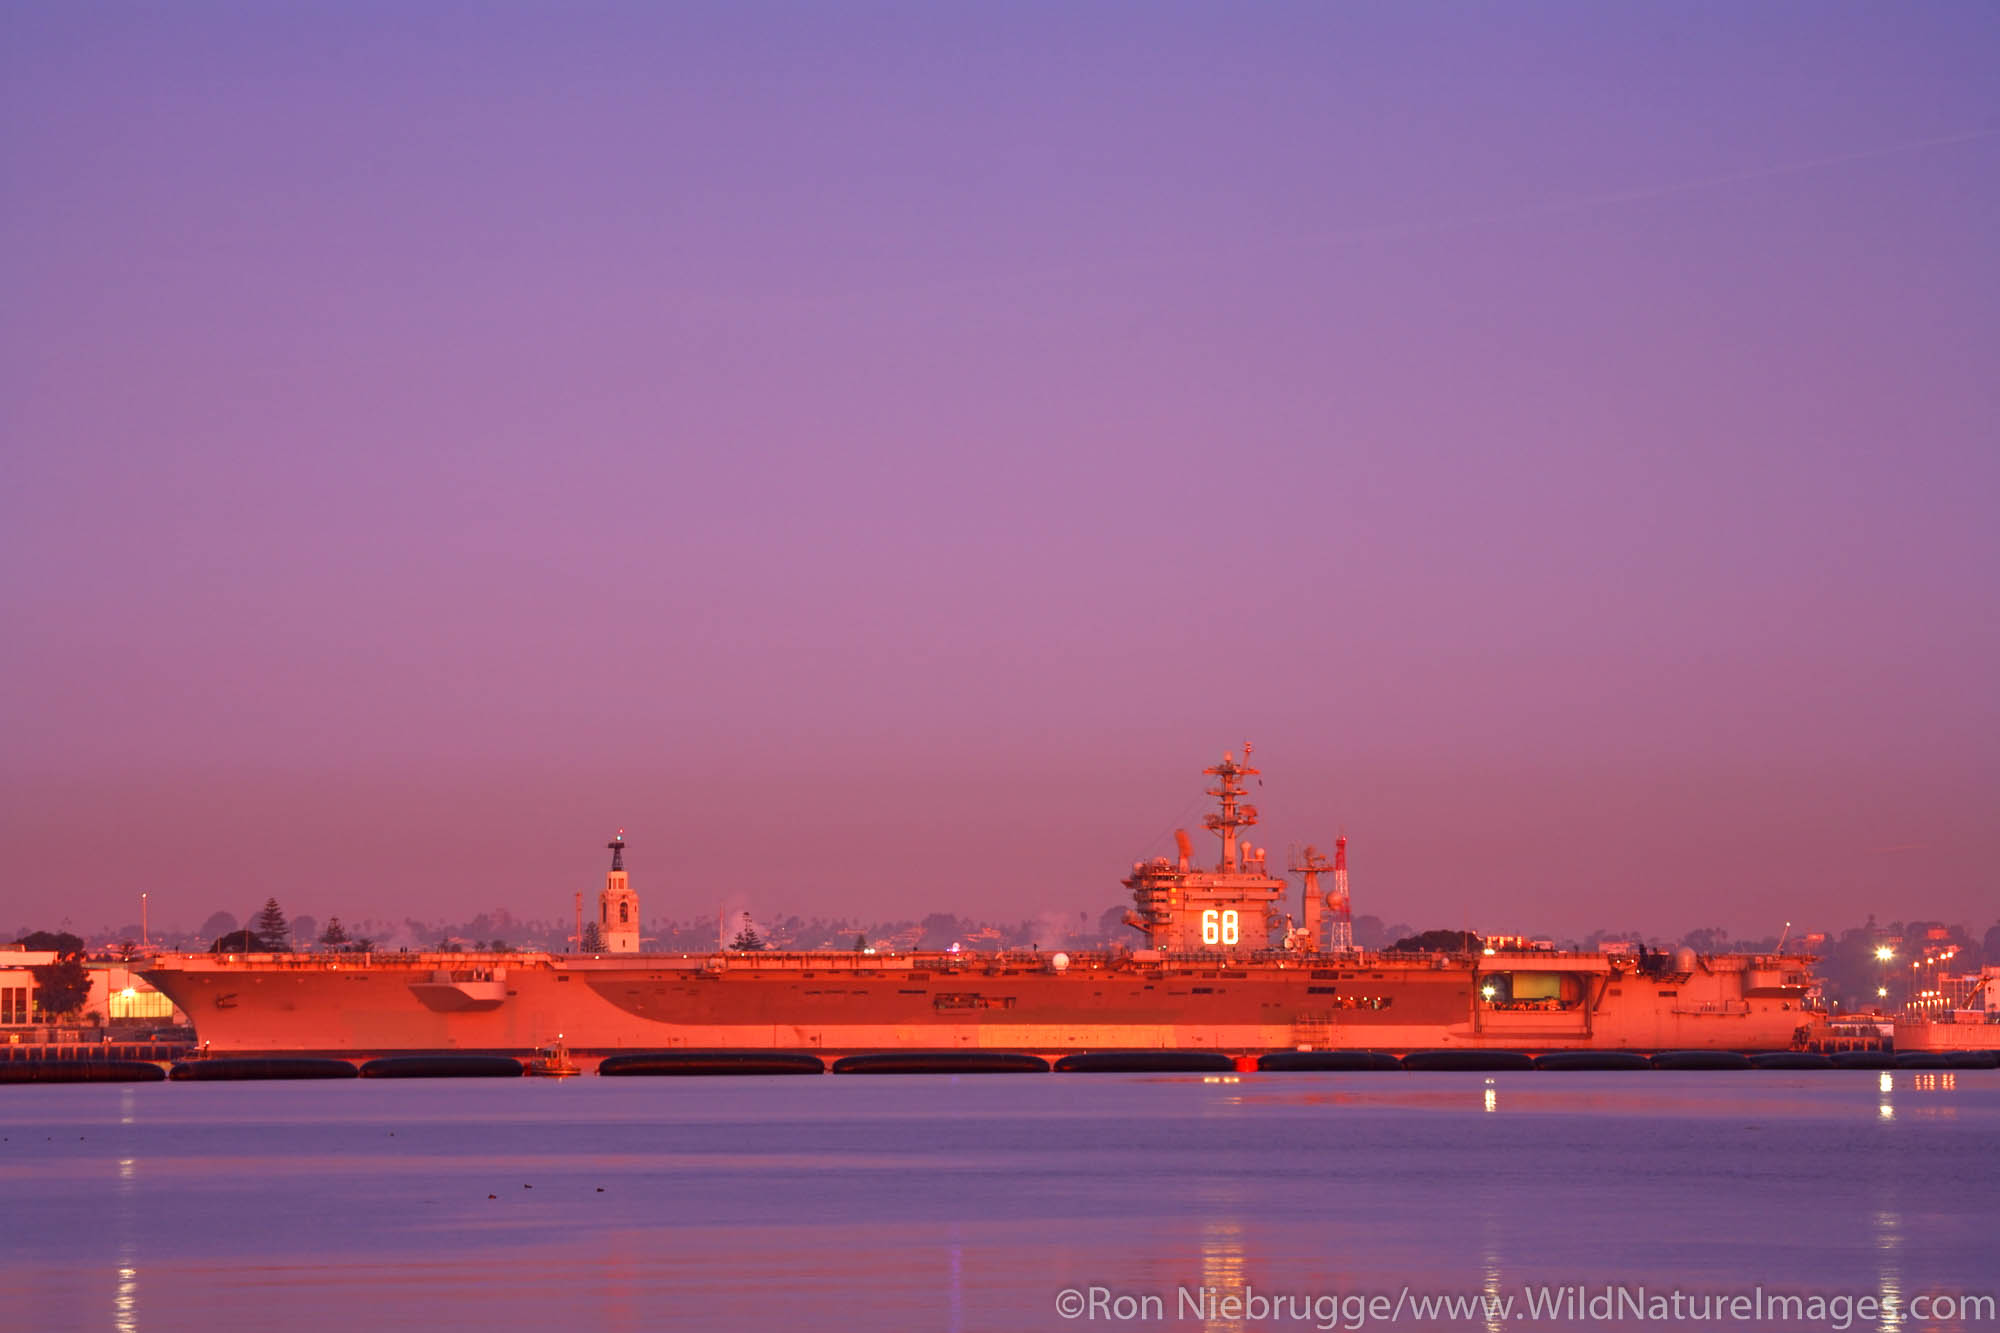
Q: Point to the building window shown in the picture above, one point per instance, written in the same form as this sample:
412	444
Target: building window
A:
134	1003
13	1005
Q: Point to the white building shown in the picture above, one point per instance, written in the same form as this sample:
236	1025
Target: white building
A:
116	992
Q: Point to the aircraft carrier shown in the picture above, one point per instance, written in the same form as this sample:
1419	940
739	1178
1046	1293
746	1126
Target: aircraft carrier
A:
1218	963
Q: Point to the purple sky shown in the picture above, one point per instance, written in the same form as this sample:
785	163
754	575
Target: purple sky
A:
879	455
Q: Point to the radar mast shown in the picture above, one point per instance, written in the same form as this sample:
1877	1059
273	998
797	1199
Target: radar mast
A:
1233	815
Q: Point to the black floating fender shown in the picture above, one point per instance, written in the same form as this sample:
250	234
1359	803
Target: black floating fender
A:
1592	1060
235	1068
442	1065
708	1064
81	1071
1340	1062
1468	1059
941	1062
1924	1060
1701	1060
1862	1060
1146	1062
1790	1060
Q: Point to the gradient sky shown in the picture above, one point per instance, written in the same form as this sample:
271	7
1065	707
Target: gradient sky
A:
878	455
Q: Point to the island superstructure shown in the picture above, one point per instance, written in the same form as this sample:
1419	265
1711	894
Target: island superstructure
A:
1219	964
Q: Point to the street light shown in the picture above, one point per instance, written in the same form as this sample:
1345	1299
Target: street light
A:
1883	953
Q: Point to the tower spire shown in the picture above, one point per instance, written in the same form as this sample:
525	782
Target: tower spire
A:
617	905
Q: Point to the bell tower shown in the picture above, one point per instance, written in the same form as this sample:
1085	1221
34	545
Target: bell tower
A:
617	905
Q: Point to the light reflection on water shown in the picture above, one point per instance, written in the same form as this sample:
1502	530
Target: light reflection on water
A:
968	1203
1492	1271
1889	1268
124	1304
1222	1270
125	1219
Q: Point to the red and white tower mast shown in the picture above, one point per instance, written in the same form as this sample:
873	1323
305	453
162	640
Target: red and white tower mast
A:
1339	907
1333	906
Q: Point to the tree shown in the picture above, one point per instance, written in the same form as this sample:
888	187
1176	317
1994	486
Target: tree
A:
861	944
941	928
334	935
271	928
1438	941
238	941
1708	940
51	941
63	985
218	924
593	938
746	940
1110	922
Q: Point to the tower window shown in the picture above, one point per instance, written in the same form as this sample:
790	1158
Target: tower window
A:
624	913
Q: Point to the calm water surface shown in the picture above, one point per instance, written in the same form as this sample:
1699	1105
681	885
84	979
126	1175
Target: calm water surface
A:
975	1202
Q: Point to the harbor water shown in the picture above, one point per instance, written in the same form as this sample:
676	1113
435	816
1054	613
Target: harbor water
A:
1005	1202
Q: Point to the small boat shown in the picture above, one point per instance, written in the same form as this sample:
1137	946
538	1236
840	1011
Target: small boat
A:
552	1061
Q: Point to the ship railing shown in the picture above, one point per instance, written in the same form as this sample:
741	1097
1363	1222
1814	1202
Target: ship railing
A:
1479	956
310	962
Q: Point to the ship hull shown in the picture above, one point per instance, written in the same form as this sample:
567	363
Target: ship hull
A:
1947	1036
841	1003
